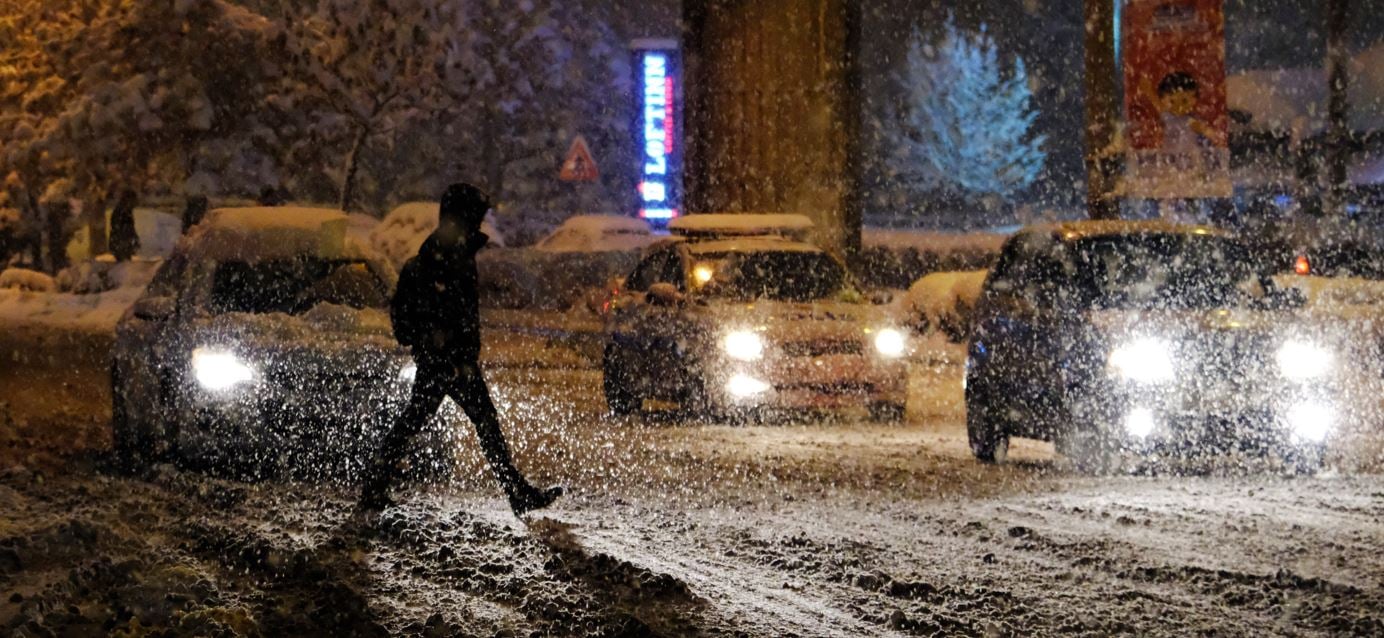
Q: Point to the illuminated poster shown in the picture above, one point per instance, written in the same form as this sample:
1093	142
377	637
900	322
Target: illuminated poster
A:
657	130
1175	105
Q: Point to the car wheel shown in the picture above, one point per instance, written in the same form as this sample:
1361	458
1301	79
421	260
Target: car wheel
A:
887	412
130	448
620	397
987	433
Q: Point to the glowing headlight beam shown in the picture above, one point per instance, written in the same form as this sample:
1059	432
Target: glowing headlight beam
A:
1143	360
890	343
743	345
218	370
1139	423
1311	422
743	386
1300	360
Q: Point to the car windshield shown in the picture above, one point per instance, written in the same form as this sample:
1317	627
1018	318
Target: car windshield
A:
1163	271
773	275
294	286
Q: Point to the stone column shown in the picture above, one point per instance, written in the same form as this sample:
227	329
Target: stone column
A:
772	108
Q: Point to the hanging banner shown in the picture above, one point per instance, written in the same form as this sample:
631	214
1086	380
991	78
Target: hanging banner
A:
658	130
1175	104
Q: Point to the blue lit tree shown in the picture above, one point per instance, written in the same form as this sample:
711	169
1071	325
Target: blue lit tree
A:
964	126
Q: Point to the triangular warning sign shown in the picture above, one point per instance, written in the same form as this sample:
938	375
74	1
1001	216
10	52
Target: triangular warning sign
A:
579	165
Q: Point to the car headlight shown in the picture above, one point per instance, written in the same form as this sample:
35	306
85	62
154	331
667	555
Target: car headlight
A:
1143	360
218	370
1311	422
890	343
743	345
1301	361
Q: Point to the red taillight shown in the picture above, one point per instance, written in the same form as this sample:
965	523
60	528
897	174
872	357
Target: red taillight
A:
1302	266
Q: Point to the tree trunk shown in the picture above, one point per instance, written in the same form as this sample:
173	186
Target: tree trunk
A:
1338	109
94	218
1102	109
193	211
348	182
55	233
124	239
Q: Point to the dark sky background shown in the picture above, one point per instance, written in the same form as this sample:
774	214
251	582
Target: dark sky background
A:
1048	35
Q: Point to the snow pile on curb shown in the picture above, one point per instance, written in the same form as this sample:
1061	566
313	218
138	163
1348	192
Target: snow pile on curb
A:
26	280
933	241
943	302
895	258
63	311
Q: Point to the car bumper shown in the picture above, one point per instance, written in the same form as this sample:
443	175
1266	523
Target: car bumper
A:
1249	421
830	382
260	417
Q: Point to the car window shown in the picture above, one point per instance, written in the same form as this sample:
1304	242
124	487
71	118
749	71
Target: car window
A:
1036	268
648	271
774	275
1164	271
167	278
295	286
672	271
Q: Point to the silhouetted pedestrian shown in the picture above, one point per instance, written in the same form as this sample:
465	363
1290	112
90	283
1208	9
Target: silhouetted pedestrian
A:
436	313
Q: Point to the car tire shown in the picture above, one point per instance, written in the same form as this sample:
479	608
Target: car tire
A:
130	448
887	412
621	400
986	432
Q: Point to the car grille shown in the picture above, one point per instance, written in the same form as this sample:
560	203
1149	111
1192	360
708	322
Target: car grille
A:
822	348
832	389
310	376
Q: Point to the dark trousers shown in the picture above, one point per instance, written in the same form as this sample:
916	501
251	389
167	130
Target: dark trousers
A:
436	380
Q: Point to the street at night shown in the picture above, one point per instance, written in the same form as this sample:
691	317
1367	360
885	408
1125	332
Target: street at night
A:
798	528
737	318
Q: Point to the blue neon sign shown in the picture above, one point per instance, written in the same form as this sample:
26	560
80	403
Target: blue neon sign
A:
660	158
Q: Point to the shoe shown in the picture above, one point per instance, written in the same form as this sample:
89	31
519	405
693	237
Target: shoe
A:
532	498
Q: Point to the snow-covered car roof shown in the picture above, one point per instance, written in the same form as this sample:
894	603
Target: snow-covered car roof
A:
1075	230
750	245
598	233
741	225
261	233
399	235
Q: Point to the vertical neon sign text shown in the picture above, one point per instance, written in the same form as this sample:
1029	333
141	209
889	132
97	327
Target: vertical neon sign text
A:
659	180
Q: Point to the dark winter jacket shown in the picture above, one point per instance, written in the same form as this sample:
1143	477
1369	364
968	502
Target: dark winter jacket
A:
436	308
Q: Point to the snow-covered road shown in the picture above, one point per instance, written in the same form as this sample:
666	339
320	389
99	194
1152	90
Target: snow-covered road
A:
813	529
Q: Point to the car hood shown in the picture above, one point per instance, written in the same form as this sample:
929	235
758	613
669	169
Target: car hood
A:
786	321
327	328
1219	320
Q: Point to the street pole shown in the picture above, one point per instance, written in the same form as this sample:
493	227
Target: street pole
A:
1338	107
1102	110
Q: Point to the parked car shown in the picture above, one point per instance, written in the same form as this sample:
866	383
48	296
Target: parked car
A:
399	235
598	233
1148	338
265	328
747	320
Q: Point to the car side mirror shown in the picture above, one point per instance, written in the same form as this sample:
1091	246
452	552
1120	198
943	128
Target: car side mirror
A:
665	294
155	308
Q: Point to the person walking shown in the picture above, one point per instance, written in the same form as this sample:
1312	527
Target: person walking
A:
436	313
